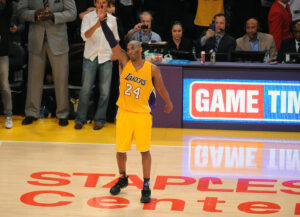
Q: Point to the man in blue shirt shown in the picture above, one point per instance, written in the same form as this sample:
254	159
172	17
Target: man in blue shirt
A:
142	31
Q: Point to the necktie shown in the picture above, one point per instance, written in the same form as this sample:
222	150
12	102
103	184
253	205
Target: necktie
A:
217	43
45	2
298	47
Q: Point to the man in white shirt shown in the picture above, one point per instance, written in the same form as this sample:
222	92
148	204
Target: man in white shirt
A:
97	59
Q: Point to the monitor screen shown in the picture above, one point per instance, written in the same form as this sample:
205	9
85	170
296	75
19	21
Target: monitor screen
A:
247	56
220	57
184	55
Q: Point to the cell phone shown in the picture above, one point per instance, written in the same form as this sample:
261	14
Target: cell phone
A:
212	27
144	26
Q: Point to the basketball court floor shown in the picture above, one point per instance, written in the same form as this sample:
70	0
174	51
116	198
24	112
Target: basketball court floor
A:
52	171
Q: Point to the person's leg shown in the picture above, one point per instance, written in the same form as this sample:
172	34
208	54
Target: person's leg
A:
89	69
146	162
105	75
121	160
142	133
4	86
146	192
36	70
60	72
124	134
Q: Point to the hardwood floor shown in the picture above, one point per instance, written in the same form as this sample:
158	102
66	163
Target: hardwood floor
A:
52	171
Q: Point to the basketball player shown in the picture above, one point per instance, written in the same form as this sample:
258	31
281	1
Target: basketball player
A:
137	94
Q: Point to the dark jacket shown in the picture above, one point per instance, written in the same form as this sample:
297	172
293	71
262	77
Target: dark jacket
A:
226	45
5	16
287	46
185	45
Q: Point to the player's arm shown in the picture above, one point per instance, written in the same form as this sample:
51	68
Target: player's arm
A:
118	53
160	87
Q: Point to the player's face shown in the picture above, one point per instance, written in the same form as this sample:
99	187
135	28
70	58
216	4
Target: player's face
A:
177	32
220	24
101	3
297	31
134	51
251	28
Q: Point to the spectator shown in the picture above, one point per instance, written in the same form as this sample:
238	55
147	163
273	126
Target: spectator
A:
47	37
256	41
142	31
295	9
217	39
5	16
97	58
291	45
178	42
279	20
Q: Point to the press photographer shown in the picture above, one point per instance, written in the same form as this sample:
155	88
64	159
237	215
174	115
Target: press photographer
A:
142	31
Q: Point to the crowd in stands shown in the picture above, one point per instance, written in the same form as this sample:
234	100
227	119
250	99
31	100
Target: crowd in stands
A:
60	42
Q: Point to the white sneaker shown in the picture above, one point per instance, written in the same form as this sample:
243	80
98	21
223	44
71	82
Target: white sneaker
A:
8	122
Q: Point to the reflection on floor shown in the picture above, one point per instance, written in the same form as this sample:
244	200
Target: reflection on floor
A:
47	170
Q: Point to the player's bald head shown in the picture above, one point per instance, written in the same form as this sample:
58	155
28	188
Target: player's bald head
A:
135	43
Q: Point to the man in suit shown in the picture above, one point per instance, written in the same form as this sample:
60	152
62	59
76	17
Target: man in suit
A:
256	41
279	20
217	39
47	37
291	45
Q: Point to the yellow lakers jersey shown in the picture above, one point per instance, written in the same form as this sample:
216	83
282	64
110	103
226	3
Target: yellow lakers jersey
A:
137	93
206	10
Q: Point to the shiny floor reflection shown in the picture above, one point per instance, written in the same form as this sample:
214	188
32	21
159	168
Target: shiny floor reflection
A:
240	157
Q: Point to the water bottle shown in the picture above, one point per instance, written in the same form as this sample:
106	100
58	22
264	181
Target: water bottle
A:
266	57
213	57
287	58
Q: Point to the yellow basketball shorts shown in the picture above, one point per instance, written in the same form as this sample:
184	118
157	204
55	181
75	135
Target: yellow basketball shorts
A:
137	125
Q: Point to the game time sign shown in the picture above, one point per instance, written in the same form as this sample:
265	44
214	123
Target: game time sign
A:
241	101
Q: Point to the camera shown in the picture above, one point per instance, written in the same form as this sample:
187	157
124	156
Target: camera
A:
144	26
